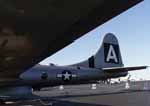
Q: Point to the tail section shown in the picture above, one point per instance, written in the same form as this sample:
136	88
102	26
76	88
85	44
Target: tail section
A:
107	56
108	59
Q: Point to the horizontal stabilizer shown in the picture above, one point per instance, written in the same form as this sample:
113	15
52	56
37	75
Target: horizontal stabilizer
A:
123	69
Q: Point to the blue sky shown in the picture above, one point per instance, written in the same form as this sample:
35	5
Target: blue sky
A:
132	29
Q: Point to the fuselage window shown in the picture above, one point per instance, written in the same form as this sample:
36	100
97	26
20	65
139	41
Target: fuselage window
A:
44	76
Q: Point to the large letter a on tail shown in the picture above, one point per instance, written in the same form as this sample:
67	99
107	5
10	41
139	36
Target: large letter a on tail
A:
111	53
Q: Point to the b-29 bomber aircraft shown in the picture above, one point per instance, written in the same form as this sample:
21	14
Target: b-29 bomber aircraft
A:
106	63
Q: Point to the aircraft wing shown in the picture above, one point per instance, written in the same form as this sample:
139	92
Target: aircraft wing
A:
31	30
123	69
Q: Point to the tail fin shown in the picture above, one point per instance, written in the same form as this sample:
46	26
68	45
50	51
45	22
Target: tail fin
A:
107	56
109	53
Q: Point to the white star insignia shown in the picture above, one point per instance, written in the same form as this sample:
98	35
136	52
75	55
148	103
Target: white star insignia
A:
66	76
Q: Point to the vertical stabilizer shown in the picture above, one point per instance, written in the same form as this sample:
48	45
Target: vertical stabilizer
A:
107	56
109	53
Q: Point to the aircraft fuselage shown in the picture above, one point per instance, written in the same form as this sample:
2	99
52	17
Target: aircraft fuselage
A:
58	75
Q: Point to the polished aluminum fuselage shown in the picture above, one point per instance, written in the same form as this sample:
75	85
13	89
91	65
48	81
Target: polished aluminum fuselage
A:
56	75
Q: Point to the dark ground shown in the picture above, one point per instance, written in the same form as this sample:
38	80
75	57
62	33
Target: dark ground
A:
105	95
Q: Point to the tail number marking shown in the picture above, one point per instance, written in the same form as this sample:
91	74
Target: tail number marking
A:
111	53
